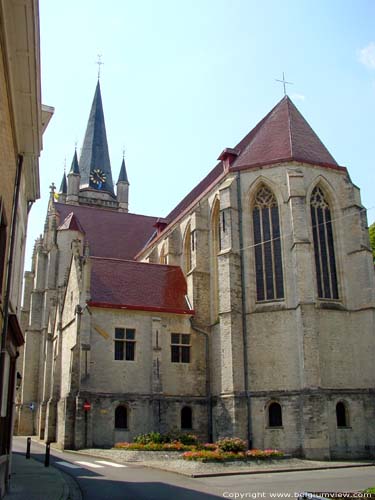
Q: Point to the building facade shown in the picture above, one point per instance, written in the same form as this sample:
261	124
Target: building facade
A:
248	311
22	122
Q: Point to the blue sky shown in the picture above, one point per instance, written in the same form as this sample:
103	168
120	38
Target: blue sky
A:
182	80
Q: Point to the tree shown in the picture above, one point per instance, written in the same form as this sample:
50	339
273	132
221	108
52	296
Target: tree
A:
371	231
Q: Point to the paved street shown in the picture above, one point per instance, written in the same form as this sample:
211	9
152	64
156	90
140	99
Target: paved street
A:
103	479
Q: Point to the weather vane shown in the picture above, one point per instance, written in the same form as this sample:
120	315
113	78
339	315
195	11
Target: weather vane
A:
99	63
284	82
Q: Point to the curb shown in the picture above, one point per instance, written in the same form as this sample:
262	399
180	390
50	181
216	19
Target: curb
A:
277	471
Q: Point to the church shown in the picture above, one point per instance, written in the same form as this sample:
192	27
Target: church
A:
247	311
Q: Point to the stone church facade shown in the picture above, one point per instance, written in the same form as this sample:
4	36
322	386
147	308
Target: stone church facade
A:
248	311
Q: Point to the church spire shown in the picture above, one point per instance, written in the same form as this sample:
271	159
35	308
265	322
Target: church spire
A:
74	169
123	188
63	186
94	163
123	176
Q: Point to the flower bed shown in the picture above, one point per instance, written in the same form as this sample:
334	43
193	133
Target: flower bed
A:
221	456
226	449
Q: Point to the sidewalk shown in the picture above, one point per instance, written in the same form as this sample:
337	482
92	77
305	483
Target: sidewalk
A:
30	480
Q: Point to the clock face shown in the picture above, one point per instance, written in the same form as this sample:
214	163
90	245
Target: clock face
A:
98	178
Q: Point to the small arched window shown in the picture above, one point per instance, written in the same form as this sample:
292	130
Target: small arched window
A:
188	262
275	418
325	262
267	246
341	415
186	418
121	417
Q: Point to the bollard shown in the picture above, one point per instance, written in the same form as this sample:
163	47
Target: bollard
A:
28	447
46	459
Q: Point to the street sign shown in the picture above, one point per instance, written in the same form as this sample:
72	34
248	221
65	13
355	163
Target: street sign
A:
32	406
87	406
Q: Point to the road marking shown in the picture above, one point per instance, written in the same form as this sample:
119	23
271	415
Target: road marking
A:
90	464
109	463
67	464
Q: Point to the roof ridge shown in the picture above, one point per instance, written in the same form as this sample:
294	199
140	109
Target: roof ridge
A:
116	259
289	126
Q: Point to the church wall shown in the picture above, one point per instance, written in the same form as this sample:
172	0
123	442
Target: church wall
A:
346	348
120	376
274	351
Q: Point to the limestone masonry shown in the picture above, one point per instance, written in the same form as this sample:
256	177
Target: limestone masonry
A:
248	311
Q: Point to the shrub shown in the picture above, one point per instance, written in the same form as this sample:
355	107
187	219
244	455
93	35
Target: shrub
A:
152	437
231	444
188	439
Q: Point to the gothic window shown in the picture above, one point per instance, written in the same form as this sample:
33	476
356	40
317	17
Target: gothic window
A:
275	415
216	247
3	243
124	344
121	417
341	415
186	418
324	251
267	246
188	262
180	348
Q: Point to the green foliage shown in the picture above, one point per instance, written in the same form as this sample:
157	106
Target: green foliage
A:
175	446
173	437
152	437
371	231
231	444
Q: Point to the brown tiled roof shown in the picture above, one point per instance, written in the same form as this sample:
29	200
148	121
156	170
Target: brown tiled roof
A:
109	233
71	223
282	135
196	192
142	286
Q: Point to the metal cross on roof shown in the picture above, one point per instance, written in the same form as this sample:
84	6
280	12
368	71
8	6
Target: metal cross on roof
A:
99	63
284	82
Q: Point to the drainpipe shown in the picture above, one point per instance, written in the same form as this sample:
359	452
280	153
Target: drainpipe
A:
208	382
244	324
9	269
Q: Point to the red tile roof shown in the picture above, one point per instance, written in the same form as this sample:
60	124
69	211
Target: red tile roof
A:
109	233
71	223
142	286
282	135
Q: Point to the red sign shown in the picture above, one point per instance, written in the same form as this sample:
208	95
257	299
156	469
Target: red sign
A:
87	406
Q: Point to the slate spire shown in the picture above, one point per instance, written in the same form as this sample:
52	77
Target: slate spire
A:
63	185
123	176
94	163
74	169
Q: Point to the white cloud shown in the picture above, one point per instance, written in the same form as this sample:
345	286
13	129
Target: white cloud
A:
298	97
367	55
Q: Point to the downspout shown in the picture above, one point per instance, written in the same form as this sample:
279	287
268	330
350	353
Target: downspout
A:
243	300
208	378
9	269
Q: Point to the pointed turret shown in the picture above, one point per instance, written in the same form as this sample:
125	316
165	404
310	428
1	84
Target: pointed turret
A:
63	189
74	178
123	188
94	163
